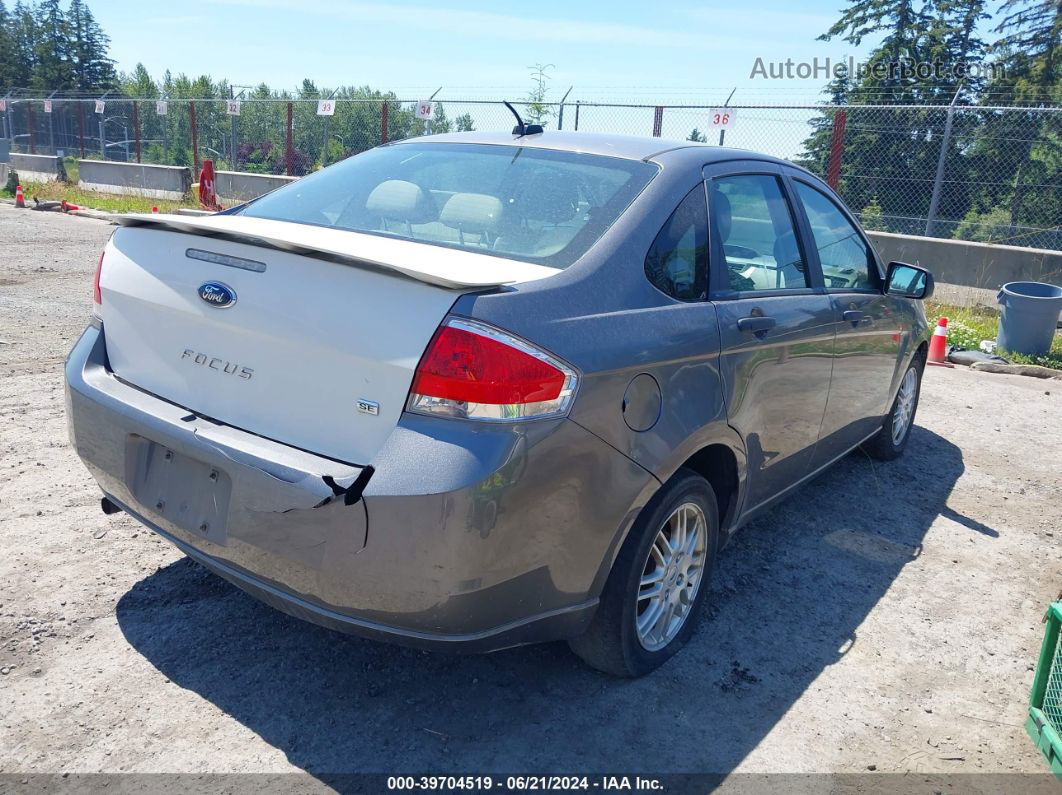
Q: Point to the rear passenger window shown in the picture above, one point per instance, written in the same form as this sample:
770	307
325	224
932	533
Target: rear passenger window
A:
677	263
751	216
847	262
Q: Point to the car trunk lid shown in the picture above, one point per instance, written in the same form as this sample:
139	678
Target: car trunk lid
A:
319	345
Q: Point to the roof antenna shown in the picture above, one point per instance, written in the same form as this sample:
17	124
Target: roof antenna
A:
521	129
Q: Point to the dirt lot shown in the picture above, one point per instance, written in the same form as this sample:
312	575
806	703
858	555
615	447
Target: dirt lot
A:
885	619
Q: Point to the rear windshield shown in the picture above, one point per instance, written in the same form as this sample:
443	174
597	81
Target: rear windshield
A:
529	204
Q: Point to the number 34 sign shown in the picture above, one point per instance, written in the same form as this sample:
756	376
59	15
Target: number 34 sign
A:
721	118
424	109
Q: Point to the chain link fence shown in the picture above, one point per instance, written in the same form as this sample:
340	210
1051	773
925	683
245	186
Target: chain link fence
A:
989	174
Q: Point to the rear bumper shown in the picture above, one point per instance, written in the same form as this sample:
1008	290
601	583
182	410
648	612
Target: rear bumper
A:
465	537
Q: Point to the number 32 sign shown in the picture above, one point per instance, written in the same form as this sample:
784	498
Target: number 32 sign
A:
721	118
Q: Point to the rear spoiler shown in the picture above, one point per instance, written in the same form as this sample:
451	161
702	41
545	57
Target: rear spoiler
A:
446	267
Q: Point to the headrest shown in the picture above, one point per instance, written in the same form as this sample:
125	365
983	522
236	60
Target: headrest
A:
723	216
398	200
471	212
545	195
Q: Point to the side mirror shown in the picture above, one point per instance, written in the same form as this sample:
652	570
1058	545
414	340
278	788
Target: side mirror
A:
908	281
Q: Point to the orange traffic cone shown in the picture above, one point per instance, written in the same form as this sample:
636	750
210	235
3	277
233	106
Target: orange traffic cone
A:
938	346
20	200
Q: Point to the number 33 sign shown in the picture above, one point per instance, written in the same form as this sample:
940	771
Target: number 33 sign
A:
721	118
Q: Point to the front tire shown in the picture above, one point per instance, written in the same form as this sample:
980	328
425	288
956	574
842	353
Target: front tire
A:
896	429
653	598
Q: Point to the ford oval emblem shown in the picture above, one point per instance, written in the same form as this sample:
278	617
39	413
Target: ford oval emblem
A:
216	294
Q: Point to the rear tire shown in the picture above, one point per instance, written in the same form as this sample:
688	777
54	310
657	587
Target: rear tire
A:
896	429
625	638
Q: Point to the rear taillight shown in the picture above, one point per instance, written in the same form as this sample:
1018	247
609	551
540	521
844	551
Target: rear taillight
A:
473	371
97	299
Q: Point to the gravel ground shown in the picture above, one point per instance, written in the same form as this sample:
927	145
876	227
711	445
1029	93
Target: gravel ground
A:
884	619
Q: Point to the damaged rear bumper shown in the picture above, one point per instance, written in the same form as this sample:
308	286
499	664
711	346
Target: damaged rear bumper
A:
465	539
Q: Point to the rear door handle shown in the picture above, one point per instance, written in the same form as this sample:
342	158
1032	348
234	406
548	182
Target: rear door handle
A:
853	316
756	324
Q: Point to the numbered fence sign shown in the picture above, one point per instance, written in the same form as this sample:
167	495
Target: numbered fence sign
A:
424	109
162	108
47	106
721	118
326	107
100	105
232	107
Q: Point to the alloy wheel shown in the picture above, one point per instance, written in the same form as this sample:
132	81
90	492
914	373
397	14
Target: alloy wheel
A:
671	577
905	405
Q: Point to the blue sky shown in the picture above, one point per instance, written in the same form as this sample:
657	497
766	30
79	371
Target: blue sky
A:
662	51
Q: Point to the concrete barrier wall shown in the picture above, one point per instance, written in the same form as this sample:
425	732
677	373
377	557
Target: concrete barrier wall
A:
971	264
37	168
240	186
155	182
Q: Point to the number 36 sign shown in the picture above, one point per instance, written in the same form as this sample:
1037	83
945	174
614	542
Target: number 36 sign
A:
721	118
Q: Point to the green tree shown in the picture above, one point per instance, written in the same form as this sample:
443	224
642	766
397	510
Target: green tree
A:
873	217
952	39
884	147
902	22
698	136
138	84
1031	46
463	123
7	50
1034	29
53	66
23	27
538	112
88	44
817	145
986	227
439	121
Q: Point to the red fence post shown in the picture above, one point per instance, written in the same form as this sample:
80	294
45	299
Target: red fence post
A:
658	121
195	142
833	168
32	124
290	153
136	129
383	122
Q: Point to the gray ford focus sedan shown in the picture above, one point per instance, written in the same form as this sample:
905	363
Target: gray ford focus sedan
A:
478	390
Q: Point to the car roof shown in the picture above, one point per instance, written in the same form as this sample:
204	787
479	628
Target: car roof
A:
630	147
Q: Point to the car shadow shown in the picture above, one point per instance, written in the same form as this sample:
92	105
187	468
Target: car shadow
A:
787	599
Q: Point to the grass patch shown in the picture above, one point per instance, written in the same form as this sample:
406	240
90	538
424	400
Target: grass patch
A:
967	326
60	191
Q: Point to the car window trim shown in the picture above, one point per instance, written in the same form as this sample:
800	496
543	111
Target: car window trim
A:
837	202
718	288
740	295
708	240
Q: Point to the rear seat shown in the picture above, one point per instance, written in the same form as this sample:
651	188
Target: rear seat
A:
535	221
475	216
400	204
